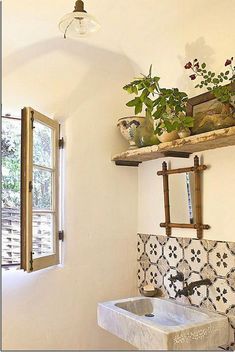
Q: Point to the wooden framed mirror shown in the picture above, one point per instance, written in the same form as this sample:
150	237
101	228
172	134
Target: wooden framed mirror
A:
187	190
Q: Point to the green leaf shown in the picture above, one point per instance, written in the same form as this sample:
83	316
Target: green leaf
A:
132	102
149	103
135	90
203	65
144	95
138	107
215	81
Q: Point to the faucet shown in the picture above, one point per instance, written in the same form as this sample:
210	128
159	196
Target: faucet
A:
179	276
188	290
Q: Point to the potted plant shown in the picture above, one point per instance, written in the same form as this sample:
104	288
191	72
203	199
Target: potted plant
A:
170	115
165	110
145	89
220	113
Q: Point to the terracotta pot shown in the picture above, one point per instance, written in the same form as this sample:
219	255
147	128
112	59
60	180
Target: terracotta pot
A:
168	137
128	127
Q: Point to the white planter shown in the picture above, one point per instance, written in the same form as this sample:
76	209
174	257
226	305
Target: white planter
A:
128	126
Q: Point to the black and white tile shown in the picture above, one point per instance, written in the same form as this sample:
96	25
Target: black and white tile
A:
140	247
196	255
173	251
163	265
199	293
140	275
221	295
172	287
154	277
161	257
220	257
154	249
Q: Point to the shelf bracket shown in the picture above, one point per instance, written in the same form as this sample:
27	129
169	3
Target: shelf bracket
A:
174	154
127	163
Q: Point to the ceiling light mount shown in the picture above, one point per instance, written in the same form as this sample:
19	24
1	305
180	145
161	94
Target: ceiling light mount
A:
79	6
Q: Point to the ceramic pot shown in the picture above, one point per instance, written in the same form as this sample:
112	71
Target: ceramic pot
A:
168	136
145	135
128	127
218	116
184	132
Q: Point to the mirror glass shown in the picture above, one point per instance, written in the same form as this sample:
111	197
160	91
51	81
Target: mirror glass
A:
181	194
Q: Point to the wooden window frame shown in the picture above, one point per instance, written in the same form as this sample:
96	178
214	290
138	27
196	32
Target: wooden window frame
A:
28	263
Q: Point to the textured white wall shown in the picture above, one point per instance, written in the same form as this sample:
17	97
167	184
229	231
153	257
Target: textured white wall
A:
80	83
218	191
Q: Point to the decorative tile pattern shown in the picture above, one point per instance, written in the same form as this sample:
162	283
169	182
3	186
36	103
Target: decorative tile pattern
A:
140	247
207	303
160	257
140	275
196	255
231	279
231	247
200	293
221	259
145	262
172	287
173	252
154	277
207	272
221	295
144	238
184	267
154	249
163	265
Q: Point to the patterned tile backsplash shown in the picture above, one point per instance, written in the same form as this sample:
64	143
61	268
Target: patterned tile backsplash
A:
160	257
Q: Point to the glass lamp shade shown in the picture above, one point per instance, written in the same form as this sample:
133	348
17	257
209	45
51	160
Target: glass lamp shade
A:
78	24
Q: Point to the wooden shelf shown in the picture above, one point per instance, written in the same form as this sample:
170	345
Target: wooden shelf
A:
178	148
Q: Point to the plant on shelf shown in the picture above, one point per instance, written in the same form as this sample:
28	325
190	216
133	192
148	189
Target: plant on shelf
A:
222	86
164	108
145	88
170	112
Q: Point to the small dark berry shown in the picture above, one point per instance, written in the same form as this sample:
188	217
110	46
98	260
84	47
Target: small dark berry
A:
193	77
188	65
228	62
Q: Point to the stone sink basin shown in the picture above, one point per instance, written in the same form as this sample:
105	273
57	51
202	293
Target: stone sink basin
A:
162	324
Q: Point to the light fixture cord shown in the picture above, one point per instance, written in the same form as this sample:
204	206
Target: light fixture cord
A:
65	33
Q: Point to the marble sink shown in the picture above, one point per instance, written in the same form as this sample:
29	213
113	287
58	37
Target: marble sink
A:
162	324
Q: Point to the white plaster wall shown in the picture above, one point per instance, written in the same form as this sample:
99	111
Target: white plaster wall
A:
206	32
218	191
79	83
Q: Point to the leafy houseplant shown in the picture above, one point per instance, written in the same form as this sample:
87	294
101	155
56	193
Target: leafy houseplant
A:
170	111
222	115
145	88
165	108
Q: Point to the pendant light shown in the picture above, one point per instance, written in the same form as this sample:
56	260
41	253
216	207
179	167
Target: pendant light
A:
78	23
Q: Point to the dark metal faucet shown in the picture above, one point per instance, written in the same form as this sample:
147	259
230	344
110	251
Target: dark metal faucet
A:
188	290
179	276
